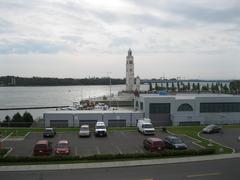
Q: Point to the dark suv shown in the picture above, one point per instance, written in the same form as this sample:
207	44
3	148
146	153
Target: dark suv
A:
49	132
173	142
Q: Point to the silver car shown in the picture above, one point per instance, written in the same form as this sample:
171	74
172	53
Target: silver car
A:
84	131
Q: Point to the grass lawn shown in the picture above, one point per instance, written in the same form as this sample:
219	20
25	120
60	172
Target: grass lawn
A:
16	132
193	131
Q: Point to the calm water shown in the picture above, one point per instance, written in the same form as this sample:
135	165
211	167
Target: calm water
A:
49	96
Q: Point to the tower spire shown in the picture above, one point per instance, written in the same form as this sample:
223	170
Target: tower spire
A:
129	71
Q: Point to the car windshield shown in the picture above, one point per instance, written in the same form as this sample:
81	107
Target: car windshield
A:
62	145
211	126
147	126
48	130
100	127
84	129
40	146
176	141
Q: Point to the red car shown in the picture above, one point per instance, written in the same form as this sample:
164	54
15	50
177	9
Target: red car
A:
62	148
154	144
42	147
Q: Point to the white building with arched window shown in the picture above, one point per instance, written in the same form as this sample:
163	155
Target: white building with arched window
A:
189	109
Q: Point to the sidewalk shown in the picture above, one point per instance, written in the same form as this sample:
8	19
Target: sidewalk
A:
118	163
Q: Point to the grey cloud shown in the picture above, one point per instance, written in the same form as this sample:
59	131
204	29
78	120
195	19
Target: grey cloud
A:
207	14
122	41
5	26
30	47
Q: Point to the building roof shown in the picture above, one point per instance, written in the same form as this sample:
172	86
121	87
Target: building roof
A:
119	110
186	96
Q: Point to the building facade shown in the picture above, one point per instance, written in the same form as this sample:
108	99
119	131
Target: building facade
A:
77	118
189	109
129	71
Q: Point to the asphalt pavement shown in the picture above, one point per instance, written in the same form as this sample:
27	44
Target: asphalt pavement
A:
225	169
229	138
117	142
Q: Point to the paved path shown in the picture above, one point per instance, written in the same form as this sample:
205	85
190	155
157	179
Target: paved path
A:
223	169
118	163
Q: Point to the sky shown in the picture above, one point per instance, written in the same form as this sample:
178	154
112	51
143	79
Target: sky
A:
87	38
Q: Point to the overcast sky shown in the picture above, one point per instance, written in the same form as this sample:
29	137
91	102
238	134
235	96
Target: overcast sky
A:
82	38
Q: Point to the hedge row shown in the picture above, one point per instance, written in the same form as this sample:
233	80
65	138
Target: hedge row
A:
109	157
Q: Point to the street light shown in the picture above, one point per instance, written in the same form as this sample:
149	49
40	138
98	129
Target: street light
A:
110	89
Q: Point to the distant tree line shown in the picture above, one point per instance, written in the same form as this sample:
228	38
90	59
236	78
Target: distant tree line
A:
17	120
232	88
45	81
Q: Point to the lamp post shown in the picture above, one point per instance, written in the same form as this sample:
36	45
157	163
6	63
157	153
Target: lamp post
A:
110	89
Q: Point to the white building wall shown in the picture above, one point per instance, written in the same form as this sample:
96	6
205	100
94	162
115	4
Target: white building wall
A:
136	117
74	117
87	116
49	116
195	115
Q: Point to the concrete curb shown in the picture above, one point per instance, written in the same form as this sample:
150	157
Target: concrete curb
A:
117	163
194	139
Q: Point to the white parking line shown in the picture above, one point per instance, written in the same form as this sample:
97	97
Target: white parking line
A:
98	151
119	150
7	137
9	151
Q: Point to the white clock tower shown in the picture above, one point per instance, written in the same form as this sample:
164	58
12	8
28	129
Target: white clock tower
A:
129	72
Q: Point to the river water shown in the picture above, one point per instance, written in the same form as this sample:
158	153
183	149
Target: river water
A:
49	96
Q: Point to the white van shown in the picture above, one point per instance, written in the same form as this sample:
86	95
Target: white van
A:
145	126
100	129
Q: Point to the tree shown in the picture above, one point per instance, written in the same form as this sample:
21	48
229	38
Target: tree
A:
157	88
207	87
188	86
173	87
17	120
27	119
212	87
6	122
225	89
178	86
198	87
193	87
150	87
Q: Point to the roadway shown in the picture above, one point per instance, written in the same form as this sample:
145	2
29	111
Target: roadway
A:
208	170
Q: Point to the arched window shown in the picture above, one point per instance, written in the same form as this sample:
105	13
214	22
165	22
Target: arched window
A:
185	107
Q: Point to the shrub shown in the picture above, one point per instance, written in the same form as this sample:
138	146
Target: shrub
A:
109	157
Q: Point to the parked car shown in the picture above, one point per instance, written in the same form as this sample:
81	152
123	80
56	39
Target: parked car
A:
62	148
84	131
100	129
49	132
173	142
145	126
212	129
42	147
153	144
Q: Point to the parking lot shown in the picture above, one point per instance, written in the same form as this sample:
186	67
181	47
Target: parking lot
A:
229	138
117	142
